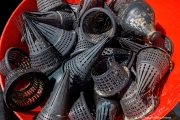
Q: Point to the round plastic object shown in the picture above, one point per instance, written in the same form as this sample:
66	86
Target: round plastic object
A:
167	13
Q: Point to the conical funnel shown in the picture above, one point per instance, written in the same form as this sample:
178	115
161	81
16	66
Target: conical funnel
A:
62	40
80	66
56	106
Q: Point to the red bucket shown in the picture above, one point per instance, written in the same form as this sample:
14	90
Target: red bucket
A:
167	14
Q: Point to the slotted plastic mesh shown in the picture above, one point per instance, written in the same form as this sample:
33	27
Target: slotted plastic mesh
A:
42	55
137	106
64	19
14	58
106	109
62	40
80	66
56	106
152	64
46	5
98	23
28	96
109	77
82	44
80	110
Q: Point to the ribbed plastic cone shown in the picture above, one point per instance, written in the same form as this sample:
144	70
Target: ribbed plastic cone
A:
106	109
137	106
61	39
64	19
133	43
80	66
14	58
109	77
42	55
138	16
56	106
46	5
80	110
82	43
152	64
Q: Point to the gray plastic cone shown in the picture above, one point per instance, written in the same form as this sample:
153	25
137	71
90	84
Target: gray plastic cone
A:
46	5
61	39
80	110
16	57
43	56
82	44
80	66
56	106
106	109
64	19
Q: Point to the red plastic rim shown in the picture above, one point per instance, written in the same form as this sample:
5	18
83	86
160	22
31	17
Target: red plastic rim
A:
167	14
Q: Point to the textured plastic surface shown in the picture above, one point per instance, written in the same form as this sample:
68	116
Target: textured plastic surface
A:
167	14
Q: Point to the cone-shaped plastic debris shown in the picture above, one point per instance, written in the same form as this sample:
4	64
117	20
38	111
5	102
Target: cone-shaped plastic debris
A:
61	39
106	109
115	4
80	110
165	43
43	56
152	64
64	19
46	5
123	56
80	66
82	43
138	16
16	57
109	77
25	89
56	106
134	44
137	106
98	23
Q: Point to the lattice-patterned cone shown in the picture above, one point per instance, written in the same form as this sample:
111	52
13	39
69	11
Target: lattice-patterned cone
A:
98	23
46	5
134	44
42	55
14	58
56	106
137	106
165	43
61	39
82	44
123	56
106	109
115	4
80	110
109	77
25	89
64	19
152	64
80	66
138	16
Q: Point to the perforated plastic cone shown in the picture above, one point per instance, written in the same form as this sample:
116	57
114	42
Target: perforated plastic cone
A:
62	40
64	19
106	109
46	5
56	106
138	16
152	64
82	44
80	66
109	77
80	110
133	43
137	106
14	57
42	55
